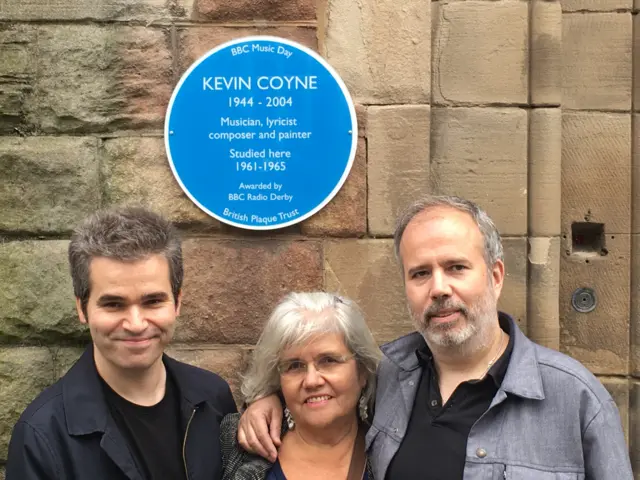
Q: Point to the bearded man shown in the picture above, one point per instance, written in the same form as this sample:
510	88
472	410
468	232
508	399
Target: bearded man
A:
468	395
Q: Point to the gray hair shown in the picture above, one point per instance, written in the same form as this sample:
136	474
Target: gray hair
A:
288	326
493	250
125	234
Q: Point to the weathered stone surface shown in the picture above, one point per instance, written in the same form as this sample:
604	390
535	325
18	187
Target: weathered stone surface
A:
136	170
596	5
64	358
48	183
544	169
84	10
546	53
228	362
596	61
24	373
619	390
636	62
398	161
17	75
346	214
231	286
473	61
634	427
101	78
196	41
247	10
36	299
381	49
481	154
599	339
596	170
543	316
367	272
513	299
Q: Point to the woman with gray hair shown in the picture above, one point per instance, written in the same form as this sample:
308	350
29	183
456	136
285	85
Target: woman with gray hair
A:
318	354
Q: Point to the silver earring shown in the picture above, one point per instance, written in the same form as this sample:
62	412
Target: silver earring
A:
289	418
362	408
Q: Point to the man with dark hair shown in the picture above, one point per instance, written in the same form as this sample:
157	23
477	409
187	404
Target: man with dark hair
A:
125	410
468	395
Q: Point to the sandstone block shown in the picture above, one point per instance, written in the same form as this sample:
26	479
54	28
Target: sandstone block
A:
196	41
64	358
596	170
473	61
545	145
599	339
48	183
381	48
636	60
596	61
102	78
26	10
18	65
367	272
543	322
398	162
36	299
136	170
228	362
247	10
634	427
24	373
346	214
618	388
544	169
481	154
546	53
513	299
596	5
231	286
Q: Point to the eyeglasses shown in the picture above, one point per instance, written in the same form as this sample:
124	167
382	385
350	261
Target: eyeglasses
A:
324	365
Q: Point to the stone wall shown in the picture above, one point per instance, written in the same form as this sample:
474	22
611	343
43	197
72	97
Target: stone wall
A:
524	106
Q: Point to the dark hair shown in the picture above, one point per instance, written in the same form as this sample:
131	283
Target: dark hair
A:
126	234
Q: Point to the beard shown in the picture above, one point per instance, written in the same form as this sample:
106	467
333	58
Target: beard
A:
469	332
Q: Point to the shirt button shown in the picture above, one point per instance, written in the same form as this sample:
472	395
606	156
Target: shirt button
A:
481	452
411	382
434	403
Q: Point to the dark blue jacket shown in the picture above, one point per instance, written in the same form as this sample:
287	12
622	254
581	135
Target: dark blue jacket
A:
67	432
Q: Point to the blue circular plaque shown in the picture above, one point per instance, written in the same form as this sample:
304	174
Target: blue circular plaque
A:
261	133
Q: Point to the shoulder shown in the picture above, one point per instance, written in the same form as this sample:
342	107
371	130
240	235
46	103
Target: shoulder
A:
47	405
237	463
559	368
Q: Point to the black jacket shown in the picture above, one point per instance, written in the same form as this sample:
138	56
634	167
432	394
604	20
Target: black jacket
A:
67	432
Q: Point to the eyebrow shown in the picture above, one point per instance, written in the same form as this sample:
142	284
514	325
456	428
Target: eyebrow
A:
109	298
155	296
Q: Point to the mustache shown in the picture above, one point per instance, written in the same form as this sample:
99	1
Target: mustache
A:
444	304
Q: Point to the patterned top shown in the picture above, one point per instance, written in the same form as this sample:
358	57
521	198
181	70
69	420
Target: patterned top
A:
238	464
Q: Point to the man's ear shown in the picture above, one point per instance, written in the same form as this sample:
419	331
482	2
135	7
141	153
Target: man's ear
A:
178	303
81	315
497	274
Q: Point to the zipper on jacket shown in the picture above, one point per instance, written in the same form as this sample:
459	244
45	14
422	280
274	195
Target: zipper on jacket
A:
184	444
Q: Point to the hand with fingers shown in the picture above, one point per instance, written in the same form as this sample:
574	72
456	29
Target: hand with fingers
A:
259	427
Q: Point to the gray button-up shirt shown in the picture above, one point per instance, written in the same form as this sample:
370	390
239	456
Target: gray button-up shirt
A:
551	419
